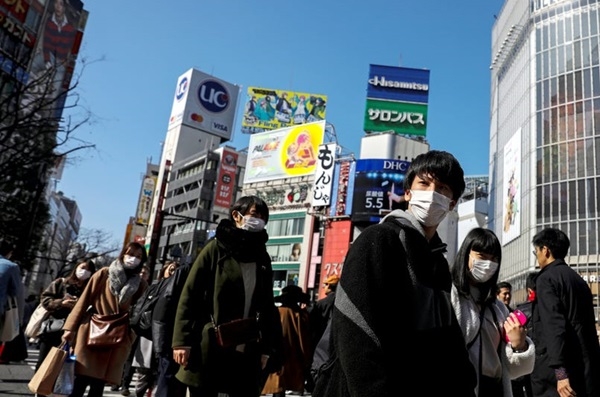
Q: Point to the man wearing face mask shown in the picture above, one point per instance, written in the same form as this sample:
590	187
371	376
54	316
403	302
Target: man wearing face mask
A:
498	345
392	314
59	298
231	279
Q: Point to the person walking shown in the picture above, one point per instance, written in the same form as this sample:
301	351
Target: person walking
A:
564	330
231	279
112	289
504	293
400	262
10	286
297	347
58	299
498	345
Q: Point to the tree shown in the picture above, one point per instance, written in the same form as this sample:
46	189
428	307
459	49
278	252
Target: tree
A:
34	138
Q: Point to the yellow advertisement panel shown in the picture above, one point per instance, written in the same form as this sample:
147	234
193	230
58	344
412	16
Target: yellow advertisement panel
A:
283	153
268	109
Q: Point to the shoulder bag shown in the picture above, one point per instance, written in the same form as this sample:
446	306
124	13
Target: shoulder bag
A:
34	326
10	323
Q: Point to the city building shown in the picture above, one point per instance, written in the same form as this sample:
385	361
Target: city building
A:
545	133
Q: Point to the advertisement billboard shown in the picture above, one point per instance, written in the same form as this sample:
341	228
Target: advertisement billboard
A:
267	109
324	175
511	203
378	188
57	47
287	152
225	190
205	103
397	100
400	117
145	202
394	83
335	248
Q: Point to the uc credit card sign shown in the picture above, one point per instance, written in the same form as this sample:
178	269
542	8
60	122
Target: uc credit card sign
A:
283	153
378	188
204	102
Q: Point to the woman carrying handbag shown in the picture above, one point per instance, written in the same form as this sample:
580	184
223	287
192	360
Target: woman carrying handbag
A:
110	293
59	299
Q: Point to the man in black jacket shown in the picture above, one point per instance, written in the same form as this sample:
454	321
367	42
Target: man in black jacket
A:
567	361
163	319
393	323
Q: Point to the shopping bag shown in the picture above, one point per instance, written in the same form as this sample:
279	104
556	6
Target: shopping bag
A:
45	377
66	378
34	326
10	325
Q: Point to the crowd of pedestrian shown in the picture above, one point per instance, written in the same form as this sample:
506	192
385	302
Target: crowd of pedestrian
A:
400	310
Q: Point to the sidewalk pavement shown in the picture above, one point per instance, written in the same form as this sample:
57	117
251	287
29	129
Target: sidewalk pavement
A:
14	378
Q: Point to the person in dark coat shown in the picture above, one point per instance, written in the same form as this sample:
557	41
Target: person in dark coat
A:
321	311
568	355
393	323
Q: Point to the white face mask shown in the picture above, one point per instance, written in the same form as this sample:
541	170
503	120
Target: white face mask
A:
483	269
130	262
82	274
253	224
429	207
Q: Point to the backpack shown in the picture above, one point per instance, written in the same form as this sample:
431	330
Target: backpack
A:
141	313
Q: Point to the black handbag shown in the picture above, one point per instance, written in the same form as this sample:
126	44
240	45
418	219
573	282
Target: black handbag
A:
237	332
52	324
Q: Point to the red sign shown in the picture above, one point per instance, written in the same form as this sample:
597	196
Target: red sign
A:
335	248
226	181
17	8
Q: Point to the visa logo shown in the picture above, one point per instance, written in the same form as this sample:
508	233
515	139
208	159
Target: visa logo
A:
220	127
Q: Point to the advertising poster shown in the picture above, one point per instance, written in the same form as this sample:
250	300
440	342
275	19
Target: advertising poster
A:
284	153
378	188
225	191
324	175
511	203
267	109
399	84
57	47
400	117
204	102
335	248
145	202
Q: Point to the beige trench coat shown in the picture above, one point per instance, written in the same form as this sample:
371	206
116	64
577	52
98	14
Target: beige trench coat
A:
99	363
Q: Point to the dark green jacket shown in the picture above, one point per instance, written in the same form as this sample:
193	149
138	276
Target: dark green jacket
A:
215	286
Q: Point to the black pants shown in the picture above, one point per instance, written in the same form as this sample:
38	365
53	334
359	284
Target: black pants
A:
145	382
166	384
47	341
82	382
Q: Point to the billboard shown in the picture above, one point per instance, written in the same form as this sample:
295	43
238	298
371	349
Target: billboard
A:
378	188
205	103
145	202
401	117
335	247
511	203
225	190
324	175
283	153
267	109
397	100
57	47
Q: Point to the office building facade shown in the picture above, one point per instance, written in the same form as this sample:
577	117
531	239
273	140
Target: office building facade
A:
545	132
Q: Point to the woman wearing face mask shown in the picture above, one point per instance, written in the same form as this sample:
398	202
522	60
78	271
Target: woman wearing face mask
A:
498	345
59	298
230	280
113	289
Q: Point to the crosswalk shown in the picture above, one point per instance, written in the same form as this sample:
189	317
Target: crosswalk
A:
32	359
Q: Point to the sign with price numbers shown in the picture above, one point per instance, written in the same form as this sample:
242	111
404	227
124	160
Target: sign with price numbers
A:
378	188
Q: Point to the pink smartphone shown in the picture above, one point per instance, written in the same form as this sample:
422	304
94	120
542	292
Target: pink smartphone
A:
522	320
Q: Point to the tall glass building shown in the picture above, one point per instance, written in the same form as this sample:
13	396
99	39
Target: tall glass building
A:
545	132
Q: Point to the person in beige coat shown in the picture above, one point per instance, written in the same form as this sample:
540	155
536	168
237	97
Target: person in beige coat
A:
111	290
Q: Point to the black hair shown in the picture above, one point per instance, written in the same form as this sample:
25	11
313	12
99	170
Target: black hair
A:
555	240
245	204
143	260
90	265
442	166
530	280
480	240
503	284
6	247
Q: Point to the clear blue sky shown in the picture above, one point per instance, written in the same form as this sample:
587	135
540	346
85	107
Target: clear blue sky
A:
322	47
